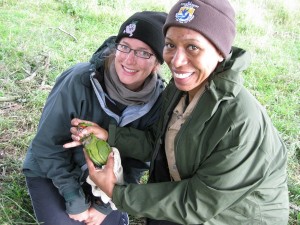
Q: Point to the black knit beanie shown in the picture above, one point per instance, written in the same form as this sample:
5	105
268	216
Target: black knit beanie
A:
214	19
147	27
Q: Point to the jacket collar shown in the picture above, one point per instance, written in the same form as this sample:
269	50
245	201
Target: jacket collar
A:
226	81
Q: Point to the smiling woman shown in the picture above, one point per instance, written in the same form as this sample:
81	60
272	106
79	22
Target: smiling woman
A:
133	67
117	87
191	58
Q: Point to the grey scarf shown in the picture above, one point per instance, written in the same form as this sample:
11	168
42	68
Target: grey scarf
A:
118	92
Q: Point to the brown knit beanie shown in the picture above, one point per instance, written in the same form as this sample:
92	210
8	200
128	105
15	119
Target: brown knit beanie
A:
214	19
147	27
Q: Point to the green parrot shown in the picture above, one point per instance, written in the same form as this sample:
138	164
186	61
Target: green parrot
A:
97	149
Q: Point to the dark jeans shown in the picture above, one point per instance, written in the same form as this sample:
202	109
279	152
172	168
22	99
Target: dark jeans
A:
49	205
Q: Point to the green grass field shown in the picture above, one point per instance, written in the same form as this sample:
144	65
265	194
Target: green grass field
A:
40	39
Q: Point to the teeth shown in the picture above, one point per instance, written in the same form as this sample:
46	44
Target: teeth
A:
129	70
182	75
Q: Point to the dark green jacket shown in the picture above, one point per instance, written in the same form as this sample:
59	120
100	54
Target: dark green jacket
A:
229	155
73	96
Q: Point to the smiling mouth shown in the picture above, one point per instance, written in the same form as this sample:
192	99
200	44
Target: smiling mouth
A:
129	70
182	75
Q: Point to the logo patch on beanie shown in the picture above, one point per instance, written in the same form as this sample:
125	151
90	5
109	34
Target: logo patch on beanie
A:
186	12
129	29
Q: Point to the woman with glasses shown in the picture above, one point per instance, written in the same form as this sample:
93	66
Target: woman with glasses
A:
120	86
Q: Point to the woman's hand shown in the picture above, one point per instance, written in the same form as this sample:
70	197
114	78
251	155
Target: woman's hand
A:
105	178
77	134
95	217
81	216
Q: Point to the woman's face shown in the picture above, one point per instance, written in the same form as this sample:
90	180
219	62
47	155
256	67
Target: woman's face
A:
190	57
133	70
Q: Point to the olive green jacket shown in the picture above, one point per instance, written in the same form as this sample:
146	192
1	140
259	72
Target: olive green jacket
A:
229	155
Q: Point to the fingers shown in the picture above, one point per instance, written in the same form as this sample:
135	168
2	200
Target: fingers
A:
76	121
72	144
89	162
75	131
94	128
104	178
110	161
80	217
98	131
89	220
76	136
95	217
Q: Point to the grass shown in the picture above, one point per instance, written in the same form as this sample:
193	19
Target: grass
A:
40	39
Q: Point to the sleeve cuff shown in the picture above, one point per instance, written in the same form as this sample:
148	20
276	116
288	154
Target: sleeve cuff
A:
76	202
118	193
101	206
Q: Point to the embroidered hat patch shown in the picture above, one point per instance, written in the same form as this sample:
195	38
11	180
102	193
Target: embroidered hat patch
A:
186	12
129	29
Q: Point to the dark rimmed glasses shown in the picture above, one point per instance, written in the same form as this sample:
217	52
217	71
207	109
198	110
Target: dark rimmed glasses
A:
139	53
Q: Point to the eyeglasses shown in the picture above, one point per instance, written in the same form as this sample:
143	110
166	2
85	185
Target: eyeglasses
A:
138	53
